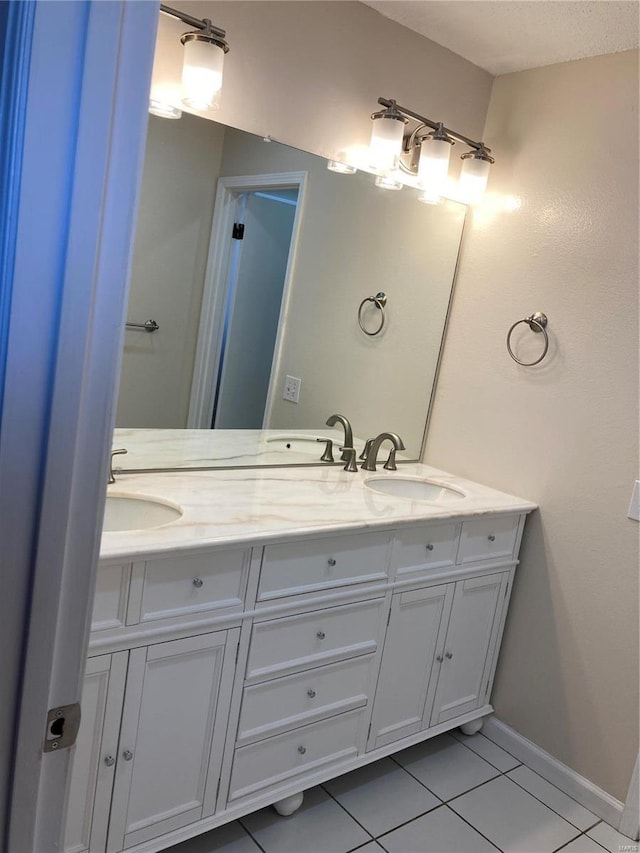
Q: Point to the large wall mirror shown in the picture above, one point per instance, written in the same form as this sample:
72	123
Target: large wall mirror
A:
258	339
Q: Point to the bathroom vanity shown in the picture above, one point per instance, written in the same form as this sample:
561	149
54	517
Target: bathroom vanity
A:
291	625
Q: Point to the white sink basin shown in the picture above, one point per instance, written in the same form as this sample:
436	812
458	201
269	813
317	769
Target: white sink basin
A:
415	489
297	443
130	512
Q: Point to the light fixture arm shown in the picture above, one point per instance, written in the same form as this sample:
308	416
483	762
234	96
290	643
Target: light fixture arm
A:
478	146
204	24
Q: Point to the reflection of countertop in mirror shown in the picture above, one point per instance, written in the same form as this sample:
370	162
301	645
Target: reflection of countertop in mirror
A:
223	448
224	507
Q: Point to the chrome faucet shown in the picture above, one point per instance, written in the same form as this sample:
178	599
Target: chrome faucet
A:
112	479
348	434
369	463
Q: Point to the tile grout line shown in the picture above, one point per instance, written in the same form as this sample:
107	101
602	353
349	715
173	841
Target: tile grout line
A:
371	837
250	834
581	831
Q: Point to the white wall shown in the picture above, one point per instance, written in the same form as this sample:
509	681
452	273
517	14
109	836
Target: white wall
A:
565	433
182	160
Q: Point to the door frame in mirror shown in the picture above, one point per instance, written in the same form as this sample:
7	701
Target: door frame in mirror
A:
216	284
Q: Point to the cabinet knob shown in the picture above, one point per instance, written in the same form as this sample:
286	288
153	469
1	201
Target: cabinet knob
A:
331	561
448	655
311	694
321	635
302	749
439	658
127	755
429	547
109	760
197	582
491	537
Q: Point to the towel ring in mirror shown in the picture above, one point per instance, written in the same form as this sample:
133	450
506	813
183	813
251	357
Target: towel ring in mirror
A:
537	323
379	300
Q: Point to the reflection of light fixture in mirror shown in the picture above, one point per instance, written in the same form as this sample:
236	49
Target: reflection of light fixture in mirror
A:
426	155
386	139
341	168
201	63
427	198
388	182
474	175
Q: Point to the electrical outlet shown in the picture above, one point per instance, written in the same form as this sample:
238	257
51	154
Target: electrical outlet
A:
291	390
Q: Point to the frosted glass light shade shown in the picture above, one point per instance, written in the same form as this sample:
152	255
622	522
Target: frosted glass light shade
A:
473	179
341	168
386	143
201	73
433	167
165	95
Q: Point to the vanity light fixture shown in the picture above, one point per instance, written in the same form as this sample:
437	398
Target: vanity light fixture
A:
341	168
425	154
387	132
202	62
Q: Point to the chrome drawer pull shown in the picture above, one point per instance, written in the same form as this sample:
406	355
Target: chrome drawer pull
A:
439	658
197	582
311	694
429	547
127	755
109	760
331	561
448	655
491	537
321	635
302	750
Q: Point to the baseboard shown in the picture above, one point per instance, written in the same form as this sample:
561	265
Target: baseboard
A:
582	790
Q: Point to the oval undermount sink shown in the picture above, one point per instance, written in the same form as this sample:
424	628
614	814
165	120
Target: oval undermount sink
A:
415	489
130	512
299	443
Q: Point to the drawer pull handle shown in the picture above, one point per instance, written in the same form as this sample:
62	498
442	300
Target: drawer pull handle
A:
439	658
429	547
109	760
448	655
302	750
311	694
321	635
491	537
197	582
331	561
127	755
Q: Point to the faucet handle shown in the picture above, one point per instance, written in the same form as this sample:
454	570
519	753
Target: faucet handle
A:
366	449
390	464
327	456
117	452
349	453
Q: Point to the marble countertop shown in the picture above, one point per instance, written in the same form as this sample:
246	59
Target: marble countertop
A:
223	448
225	507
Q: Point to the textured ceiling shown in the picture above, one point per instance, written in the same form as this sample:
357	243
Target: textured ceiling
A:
510	35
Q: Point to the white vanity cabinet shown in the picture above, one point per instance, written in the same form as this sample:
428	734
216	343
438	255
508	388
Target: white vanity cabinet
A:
222	680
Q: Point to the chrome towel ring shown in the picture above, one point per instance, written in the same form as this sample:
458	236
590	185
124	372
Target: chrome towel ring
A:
537	323
379	300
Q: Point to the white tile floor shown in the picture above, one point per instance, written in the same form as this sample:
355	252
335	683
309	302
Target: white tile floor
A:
451	794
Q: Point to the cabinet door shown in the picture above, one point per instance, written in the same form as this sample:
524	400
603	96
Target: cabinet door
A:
91	775
404	695
473	631
169	754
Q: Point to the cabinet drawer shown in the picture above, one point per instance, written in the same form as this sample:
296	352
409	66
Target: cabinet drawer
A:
293	701
178	586
322	636
487	538
420	549
298	567
304	750
110	601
